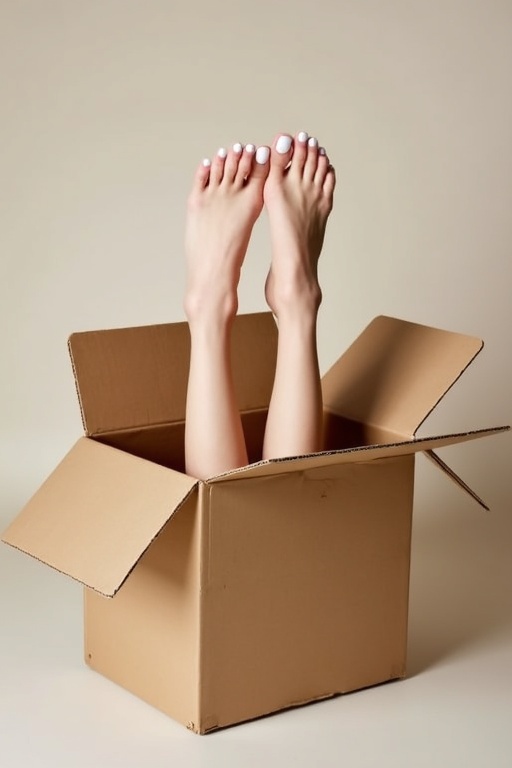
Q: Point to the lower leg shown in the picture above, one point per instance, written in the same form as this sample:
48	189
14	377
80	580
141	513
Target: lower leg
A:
294	423
298	196
214	438
226	199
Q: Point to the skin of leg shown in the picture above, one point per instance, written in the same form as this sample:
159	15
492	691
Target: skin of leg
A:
226	199
294	423
299	198
214	438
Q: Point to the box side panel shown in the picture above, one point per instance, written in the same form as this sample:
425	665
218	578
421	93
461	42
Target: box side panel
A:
162	444
146	637
342	434
307	591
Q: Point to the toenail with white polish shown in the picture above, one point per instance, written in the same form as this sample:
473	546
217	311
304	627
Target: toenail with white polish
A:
302	137
207	162
250	148
237	148
262	155
321	151
313	142
283	144
222	152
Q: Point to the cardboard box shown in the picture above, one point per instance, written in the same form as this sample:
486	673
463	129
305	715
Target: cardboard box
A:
267	587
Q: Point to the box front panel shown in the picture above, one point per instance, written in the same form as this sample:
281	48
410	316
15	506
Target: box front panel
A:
146	637
306	594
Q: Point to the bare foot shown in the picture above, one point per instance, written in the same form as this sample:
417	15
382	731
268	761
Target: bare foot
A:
225	201
298	196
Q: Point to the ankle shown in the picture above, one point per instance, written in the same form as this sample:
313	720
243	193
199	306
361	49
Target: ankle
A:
210	306
295	296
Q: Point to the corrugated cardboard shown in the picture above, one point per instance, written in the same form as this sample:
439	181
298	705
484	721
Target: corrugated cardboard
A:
269	586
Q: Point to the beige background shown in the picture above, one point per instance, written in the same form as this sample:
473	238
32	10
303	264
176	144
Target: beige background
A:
105	109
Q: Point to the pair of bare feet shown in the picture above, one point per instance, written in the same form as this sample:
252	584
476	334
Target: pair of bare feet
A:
295	182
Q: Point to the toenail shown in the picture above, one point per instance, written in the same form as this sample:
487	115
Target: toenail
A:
283	144
207	162
313	142
302	137
222	152
250	148
262	155
237	148
322	151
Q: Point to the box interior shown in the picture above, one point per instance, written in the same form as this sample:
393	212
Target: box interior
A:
132	384
165	443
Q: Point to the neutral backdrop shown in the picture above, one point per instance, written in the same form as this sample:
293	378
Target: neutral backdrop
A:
106	107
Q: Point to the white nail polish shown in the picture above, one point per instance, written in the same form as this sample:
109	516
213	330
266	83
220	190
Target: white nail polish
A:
262	155
283	144
322	151
222	152
302	137
313	142
207	162
250	148
237	148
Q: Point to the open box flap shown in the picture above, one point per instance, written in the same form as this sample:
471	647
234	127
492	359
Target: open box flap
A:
136	377
97	513
362	454
456	479
396	372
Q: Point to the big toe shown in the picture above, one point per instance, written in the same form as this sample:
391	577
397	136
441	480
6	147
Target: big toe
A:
281	152
261	165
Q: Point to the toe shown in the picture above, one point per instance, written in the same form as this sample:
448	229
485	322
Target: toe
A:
261	165
245	164
202	175
217	168
321	168
300	151
232	162
311	163
329	184
281	153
